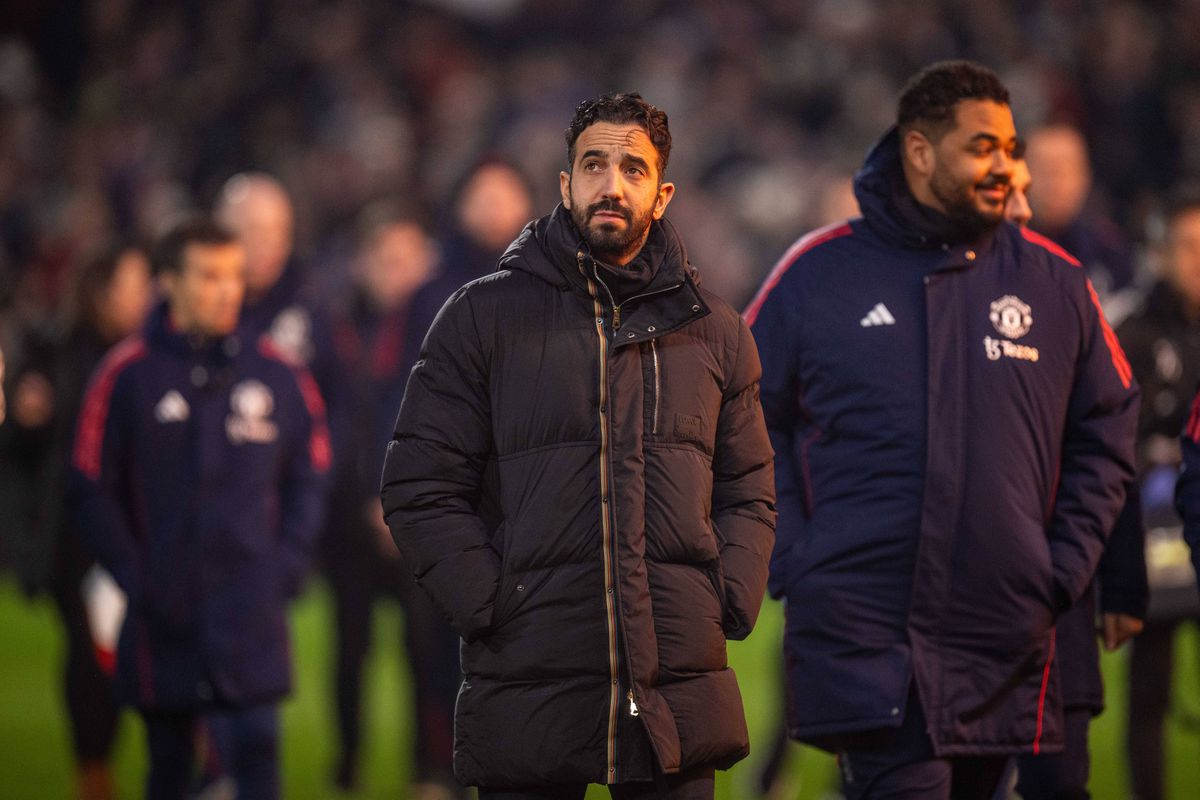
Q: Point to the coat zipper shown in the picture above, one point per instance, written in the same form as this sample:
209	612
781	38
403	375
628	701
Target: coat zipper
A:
606	535
657	387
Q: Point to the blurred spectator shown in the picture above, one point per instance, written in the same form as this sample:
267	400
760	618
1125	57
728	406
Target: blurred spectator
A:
109	301
371	327
198	485
493	202
1162	340
1058	156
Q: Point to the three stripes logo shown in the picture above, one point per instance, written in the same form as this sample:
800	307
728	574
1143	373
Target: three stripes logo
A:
879	315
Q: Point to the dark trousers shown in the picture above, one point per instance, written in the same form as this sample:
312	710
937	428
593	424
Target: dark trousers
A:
358	580
1059	776
901	765
1150	667
91	706
691	785
244	742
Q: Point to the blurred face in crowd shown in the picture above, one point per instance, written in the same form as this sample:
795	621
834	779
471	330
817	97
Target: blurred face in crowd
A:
125	300
614	190
1183	255
1058	156
398	259
1018	211
257	209
205	294
493	206
967	172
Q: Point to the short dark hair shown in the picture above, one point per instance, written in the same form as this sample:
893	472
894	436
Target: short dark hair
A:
622	108
929	98
193	229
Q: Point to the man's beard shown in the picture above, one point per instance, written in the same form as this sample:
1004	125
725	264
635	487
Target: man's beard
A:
959	204
607	244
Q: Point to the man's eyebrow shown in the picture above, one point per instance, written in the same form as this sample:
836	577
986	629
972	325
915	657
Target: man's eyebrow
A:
638	161
991	137
593	154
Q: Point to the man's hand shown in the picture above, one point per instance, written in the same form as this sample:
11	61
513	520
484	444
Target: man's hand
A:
1118	629
383	536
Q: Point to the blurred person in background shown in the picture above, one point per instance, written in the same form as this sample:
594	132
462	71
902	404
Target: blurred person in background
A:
1162	339
1058	156
928	372
370	330
198	484
580	479
257	208
1119	590
108	301
492	203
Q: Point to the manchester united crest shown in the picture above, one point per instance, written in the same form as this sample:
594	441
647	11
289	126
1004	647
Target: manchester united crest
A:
251	404
1011	317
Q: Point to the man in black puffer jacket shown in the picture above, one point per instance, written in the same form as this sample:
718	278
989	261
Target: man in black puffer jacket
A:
581	480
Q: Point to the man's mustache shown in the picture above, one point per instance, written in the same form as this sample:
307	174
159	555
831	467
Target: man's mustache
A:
610	206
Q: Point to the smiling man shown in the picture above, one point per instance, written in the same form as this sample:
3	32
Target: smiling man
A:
580	478
953	426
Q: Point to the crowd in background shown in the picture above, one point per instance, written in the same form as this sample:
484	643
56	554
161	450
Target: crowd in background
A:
378	119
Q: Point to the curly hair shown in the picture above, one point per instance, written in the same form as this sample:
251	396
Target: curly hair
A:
622	108
928	100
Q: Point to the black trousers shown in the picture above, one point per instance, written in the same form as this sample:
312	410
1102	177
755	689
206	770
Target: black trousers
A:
1150	668
902	766
359	576
1059	776
245	743
91	706
691	785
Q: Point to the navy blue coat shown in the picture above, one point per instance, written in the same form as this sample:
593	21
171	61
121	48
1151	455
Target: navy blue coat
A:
198	473
953	422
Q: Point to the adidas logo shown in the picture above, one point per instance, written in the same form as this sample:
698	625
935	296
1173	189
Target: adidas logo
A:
172	408
879	315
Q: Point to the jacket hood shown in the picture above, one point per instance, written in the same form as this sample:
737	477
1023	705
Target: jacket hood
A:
550	248
890	209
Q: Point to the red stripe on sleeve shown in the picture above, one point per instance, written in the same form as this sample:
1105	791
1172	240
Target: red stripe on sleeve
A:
803	245
319	449
89	438
1052	246
1120	362
1193	425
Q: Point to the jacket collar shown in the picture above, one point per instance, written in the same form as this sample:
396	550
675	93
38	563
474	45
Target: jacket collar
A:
160	333
552	249
890	209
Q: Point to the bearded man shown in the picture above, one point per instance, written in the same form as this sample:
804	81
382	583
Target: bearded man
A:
580	478
953	424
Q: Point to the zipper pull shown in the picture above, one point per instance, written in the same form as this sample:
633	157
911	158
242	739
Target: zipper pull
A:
633	709
616	318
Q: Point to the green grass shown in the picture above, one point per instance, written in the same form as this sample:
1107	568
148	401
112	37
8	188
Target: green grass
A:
35	762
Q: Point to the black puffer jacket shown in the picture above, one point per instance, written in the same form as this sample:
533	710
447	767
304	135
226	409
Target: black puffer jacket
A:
590	503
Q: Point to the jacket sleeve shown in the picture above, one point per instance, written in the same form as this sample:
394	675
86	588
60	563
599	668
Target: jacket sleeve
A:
775	332
1097	456
302	493
743	502
1187	488
433	472
97	483
1124	588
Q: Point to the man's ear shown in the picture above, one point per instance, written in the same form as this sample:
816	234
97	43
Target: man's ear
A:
918	152
665	193
564	188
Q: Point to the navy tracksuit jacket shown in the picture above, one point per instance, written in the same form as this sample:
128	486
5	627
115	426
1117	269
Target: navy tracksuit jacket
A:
199	483
953	422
